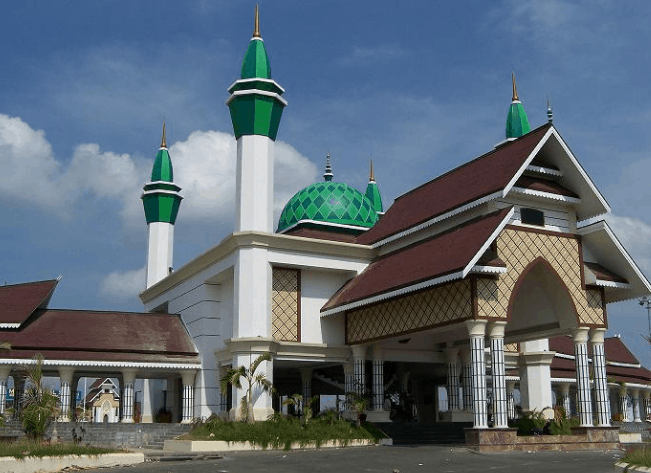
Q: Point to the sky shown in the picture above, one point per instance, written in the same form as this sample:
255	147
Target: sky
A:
419	87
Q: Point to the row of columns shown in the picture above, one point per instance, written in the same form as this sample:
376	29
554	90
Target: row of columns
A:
67	381
622	396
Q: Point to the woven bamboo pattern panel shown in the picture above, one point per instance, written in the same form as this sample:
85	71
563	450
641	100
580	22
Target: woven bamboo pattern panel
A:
284	305
512	348
411	312
519	248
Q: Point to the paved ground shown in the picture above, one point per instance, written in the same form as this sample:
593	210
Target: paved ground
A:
421	459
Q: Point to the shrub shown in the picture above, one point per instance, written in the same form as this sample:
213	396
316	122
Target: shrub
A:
39	403
532	422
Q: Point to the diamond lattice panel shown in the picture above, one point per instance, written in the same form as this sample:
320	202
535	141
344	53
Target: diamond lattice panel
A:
517	249
411	312
284	305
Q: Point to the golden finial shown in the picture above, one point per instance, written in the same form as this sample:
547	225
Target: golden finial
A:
371	176
515	88
256	28
163	141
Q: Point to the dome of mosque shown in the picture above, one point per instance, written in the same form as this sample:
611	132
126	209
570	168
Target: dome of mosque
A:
331	203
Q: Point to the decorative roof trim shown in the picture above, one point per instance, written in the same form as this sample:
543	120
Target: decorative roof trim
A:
161	191
325	224
488	269
618	285
256	79
395	293
9	325
437	219
546	195
489	241
544	170
527	161
238	93
563	380
603	226
101	364
623	365
564	355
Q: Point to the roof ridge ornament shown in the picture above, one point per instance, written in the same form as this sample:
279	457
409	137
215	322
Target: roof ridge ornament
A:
327	175
515	88
163	141
550	112
256	26
371	176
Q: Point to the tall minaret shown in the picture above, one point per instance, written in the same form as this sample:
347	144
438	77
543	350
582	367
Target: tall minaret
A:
517	123
161	200
256	106
373	192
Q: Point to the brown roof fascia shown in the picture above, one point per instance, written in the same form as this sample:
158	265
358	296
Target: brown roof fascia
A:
24	299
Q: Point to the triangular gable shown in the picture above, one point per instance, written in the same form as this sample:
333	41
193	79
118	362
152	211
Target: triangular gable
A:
553	150
604	246
19	301
444	257
469	185
97	389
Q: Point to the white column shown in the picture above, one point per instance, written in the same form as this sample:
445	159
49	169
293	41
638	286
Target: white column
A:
564	401
635	395
146	407
359	369
584	399
602	404
646	405
466	379
476	331
500	409
534	363
187	400
623	403
65	377
510	400
160	249
378	379
128	378
452	354
4	375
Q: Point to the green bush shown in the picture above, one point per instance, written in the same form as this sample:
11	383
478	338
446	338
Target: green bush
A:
531	422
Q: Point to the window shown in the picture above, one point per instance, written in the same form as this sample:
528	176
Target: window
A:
532	217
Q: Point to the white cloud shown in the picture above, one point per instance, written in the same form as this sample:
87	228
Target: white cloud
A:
123	285
635	235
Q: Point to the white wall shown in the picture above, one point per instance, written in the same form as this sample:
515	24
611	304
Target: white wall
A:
316	288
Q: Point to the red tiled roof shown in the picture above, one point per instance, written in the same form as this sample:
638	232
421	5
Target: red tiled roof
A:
618	352
18	301
434	257
322	234
544	185
91	335
603	273
471	181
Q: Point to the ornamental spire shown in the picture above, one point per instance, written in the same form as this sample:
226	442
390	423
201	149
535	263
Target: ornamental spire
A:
163	141
515	89
371	175
327	175
256	27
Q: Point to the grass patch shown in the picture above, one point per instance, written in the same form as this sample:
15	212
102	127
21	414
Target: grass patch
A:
638	456
281	432
28	448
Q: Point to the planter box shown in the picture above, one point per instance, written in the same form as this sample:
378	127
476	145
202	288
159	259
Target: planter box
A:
507	440
193	446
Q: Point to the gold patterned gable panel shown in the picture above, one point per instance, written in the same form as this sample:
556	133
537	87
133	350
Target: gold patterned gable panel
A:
420	310
517	248
285	305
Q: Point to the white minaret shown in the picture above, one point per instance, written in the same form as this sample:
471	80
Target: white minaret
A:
256	107
161	200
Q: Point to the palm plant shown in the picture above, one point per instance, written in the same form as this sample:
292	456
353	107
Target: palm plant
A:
39	403
296	400
235	376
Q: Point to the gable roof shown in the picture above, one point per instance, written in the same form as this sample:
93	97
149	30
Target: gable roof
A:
444	257
474	180
491	176
19	301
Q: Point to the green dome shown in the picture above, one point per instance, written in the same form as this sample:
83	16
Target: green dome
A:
517	123
256	62
328	202
162	170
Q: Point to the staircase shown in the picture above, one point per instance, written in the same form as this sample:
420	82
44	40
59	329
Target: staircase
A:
442	433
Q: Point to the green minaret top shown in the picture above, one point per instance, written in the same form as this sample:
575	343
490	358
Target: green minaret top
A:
327	175
373	192
162	170
256	62
161	197
517	123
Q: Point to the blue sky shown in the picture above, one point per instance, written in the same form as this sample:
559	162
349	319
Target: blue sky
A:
419	87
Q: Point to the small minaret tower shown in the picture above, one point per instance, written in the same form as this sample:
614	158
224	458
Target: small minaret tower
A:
517	123
256	107
373	192
161	200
